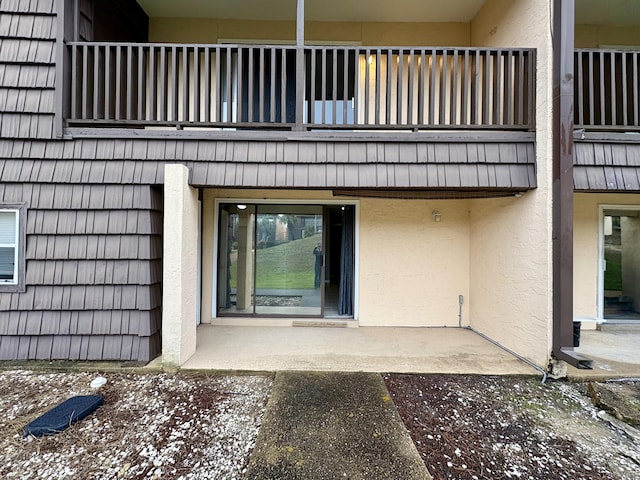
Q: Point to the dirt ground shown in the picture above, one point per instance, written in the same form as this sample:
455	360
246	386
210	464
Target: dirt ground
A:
474	427
159	426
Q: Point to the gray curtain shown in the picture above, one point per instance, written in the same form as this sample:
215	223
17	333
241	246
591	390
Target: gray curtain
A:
345	292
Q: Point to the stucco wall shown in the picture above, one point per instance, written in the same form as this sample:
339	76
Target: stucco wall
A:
192	30
411	269
595	36
510	241
585	253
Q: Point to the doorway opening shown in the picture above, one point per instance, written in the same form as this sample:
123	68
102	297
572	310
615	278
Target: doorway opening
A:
620	260
278	260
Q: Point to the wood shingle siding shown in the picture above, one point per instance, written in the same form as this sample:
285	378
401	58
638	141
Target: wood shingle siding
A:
607	166
28	32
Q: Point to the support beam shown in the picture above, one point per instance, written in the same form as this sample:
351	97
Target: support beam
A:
300	67
563	52
179	267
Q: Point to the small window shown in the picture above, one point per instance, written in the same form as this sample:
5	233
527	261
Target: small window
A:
11	249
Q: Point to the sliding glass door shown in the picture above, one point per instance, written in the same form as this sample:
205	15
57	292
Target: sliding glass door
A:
270	260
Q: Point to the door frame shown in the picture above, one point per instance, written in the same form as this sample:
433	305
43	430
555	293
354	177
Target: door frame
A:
601	262
283	201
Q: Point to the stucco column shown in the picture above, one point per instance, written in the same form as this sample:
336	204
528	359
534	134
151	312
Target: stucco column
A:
180	266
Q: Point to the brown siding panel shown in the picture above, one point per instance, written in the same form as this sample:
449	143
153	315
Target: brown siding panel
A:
606	166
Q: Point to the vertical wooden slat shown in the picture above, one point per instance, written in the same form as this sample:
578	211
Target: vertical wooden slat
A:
443	87
162	113
283	88
345	84
389	84
602	95
261	95
476	89
218	73
410	87
207	84
196	83
356	90
453	117
636	91
229	117
312	81
118	98
464	94
250	84
421	87
486	105
129	70
520	83
107	81
367	76
240	79
334	86
272	104
580	87
399	87
497	82
85	81
591	91
185	86
432	86
531	95
141	83
323	91
153	82
613	93
74	82
507	91
625	119
174	84
96	79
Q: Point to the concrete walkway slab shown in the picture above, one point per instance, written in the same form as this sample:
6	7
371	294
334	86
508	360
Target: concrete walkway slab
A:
327	426
614	354
364	349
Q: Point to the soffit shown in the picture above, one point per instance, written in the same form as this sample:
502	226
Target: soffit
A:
319	10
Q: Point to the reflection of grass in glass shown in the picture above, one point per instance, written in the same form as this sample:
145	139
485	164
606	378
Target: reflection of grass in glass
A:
613	274
288	265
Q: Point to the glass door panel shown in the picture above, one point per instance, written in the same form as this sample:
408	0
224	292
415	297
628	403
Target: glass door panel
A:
288	260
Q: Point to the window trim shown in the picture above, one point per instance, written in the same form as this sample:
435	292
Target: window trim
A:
21	210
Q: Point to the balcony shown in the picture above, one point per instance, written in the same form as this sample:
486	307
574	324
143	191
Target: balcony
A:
276	87
607	90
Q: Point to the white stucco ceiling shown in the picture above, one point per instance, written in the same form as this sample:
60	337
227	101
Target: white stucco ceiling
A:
323	10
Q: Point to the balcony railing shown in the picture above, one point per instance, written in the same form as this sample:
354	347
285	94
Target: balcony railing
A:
607	90
241	86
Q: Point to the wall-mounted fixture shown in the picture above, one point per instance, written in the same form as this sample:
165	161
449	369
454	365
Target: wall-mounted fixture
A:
436	216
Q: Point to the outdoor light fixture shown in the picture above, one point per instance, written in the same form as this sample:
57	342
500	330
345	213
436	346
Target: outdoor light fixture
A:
241	206
436	216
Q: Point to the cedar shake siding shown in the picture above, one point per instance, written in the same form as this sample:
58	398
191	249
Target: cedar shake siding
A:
94	204
612	166
28	30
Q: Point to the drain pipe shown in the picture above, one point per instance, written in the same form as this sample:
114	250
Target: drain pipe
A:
517	355
490	340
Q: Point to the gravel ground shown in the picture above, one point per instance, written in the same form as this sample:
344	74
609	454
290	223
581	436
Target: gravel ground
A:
473	427
151	426
158	426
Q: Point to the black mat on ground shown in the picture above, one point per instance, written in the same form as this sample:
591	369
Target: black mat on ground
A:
63	415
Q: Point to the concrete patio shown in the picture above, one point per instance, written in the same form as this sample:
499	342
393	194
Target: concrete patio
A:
614	351
367	349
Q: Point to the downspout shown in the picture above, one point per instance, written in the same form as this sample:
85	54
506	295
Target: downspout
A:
562	127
